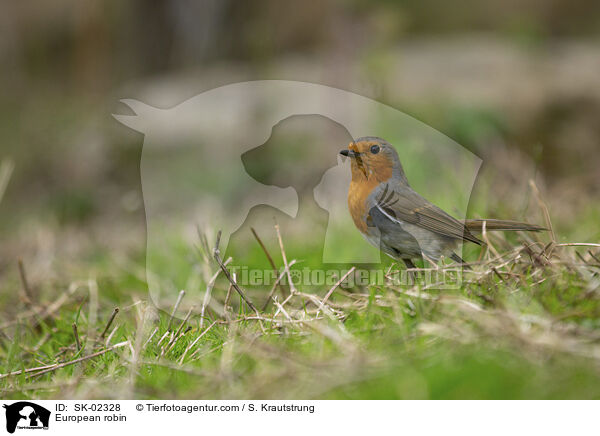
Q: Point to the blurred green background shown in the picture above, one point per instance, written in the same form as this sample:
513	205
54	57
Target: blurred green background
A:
515	82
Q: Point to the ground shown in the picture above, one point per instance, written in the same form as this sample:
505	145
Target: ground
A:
523	325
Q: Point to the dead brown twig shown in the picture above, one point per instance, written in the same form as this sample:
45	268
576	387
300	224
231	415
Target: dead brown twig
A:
50	310
217	256
109	323
27	296
284	294
272	291
76	334
333	288
48	368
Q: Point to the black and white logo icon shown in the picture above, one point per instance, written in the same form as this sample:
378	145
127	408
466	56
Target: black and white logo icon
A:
26	415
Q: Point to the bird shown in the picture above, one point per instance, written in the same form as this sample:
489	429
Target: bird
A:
396	219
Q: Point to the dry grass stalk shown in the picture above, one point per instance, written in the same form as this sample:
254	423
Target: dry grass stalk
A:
178	334
217	257
27	295
190	346
334	287
284	294
177	303
277	281
76	334
207	294
544	207
285	262
50	310
110	321
48	368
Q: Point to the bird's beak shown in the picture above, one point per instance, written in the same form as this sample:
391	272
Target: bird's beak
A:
358	160
348	153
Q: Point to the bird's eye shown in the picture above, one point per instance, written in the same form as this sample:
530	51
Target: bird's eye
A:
375	149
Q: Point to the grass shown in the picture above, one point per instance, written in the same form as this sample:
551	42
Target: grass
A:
524	324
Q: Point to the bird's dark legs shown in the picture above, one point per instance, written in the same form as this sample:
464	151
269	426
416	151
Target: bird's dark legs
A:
455	257
410	265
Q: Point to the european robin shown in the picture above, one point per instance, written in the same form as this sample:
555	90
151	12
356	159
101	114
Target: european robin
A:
395	218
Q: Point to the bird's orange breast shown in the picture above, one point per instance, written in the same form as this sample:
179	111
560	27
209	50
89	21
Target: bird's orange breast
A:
357	202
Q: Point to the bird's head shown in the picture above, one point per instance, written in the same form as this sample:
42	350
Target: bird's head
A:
373	158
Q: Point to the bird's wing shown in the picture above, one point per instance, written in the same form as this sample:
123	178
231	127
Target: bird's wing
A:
403	205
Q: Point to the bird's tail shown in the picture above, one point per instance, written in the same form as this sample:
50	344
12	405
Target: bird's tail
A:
502	225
